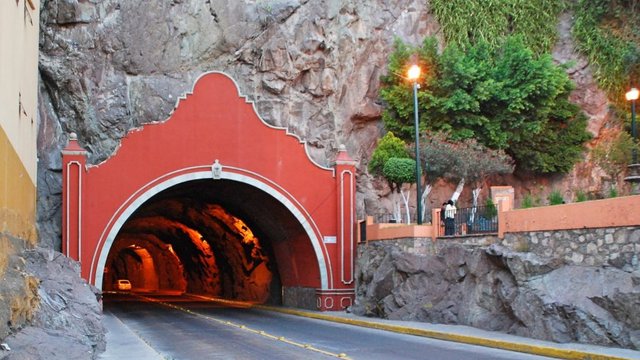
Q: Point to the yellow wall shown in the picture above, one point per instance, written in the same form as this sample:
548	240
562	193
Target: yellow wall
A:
18	117
17	195
19	78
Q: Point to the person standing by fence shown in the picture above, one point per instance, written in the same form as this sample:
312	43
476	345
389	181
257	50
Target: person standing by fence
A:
449	218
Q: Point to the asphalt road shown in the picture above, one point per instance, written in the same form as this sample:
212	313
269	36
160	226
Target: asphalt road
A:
192	328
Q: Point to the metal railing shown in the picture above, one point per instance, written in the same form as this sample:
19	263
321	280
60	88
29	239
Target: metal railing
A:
469	221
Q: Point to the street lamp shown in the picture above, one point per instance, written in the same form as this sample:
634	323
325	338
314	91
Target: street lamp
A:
413	75
632	95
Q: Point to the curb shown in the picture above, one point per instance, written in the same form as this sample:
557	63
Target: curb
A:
466	339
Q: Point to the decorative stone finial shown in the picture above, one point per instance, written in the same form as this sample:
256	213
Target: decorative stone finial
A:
216	170
342	147
73	136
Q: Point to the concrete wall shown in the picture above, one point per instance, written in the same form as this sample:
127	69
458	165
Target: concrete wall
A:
18	122
18	134
615	212
19	79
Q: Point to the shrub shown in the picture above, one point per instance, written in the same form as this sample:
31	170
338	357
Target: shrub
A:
581	196
399	171
555	198
527	202
490	209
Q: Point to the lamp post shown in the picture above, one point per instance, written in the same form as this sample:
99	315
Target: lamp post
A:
632	95
413	75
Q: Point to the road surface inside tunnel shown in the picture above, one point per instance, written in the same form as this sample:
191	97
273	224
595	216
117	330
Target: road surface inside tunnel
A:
193	327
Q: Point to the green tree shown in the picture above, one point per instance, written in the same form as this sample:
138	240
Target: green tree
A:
400	171
392	161
388	147
507	98
463	161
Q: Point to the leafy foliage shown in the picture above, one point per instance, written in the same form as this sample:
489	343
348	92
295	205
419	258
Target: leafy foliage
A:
528	202
439	156
608	33
399	171
466	159
389	147
581	196
613	154
490	209
555	198
507	98
467	22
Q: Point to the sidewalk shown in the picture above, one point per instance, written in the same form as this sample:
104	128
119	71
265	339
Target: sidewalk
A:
122	343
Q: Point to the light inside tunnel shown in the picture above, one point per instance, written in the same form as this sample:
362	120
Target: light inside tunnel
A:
184	240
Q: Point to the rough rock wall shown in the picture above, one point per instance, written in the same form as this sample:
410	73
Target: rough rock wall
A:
64	316
311	66
498	289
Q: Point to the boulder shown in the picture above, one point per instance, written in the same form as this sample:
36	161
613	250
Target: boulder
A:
498	289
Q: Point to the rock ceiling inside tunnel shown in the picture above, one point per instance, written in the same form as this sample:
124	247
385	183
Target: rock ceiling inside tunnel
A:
202	232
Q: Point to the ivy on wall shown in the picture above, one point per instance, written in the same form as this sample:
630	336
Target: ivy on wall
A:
608	33
466	22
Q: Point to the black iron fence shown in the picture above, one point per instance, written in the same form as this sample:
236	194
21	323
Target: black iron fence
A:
478	220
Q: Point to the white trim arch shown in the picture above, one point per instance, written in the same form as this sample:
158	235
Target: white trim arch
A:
198	173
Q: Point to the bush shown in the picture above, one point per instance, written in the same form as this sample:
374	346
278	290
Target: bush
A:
399	171
527	202
581	196
555	198
388	147
490	209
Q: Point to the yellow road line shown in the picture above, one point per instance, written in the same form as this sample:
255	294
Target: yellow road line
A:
243	327
542	350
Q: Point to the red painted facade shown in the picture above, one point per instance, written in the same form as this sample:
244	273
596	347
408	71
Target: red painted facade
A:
215	123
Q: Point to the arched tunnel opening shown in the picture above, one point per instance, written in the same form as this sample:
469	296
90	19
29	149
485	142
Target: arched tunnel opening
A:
219	238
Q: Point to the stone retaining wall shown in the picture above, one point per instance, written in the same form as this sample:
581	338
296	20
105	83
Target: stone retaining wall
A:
428	246
618	247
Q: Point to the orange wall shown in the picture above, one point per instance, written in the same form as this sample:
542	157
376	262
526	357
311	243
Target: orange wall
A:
398	231
616	212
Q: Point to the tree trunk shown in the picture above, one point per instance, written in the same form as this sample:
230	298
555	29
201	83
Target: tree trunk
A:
405	199
397	214
476	194
423	201
456	194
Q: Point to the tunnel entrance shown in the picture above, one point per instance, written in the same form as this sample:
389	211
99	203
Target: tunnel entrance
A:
214	201
219	238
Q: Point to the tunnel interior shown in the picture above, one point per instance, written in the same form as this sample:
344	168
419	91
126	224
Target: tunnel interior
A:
219	238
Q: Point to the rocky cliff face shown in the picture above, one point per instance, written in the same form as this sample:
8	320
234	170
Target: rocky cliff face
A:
107	67
311	66
498	289
61	315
